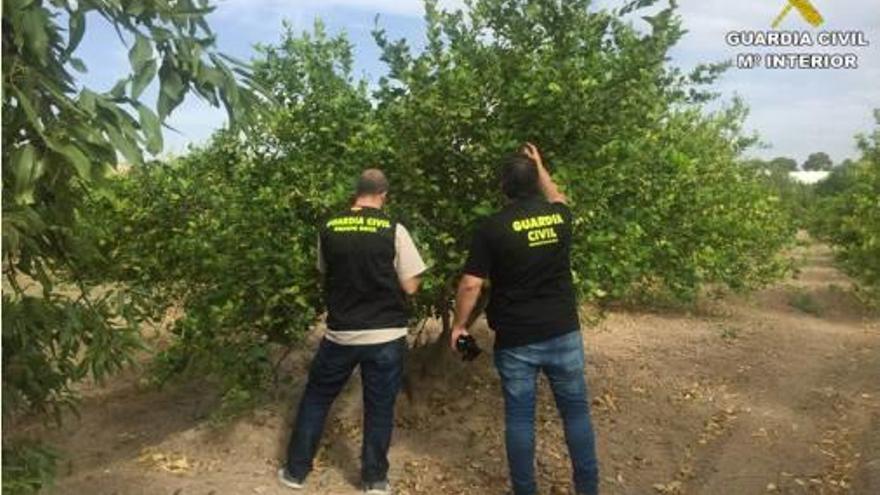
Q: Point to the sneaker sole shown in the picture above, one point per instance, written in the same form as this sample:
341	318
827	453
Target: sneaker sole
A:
378	491
286	482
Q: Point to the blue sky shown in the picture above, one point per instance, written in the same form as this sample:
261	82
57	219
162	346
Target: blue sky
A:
795	112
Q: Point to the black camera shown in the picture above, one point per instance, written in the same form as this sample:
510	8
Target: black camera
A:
467	346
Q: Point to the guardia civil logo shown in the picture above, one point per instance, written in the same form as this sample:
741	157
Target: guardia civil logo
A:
794	47
806	10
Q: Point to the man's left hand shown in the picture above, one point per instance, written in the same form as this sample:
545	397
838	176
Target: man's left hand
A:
456	333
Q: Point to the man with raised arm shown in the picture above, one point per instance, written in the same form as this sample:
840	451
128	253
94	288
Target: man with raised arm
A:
524	250
370	264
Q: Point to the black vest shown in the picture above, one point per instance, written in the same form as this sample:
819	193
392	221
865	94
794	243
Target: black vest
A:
361	287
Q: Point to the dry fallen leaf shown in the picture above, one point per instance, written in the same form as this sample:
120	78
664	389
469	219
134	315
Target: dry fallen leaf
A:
671	488
172	463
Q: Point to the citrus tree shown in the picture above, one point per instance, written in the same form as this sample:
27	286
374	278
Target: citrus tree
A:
795	197
659	197
848	213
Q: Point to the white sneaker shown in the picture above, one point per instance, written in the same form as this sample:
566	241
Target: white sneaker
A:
377	488
289	481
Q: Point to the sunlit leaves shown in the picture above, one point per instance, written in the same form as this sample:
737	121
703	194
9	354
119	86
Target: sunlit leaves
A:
74	156
152	129
35	33
28	168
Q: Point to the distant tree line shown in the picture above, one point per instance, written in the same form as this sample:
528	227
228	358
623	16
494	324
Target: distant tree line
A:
819	161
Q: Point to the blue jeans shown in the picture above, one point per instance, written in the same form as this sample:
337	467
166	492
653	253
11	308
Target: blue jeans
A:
562	360
381	373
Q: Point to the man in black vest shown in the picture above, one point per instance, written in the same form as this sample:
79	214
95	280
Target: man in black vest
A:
369	264
525	251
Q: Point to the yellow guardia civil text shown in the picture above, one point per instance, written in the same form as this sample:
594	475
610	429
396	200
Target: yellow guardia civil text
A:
539	229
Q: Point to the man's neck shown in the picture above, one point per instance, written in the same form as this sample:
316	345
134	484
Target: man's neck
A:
368	202
520	199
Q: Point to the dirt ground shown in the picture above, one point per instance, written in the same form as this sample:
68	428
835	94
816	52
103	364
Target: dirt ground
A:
777	392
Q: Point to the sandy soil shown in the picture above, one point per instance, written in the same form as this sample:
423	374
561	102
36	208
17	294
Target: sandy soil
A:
778	392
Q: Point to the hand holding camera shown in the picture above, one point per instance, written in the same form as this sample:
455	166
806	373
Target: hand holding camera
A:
467	345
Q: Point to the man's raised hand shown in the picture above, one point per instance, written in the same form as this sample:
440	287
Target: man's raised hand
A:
531	151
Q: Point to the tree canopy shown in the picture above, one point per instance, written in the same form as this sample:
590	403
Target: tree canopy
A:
818	161
661	202
848	213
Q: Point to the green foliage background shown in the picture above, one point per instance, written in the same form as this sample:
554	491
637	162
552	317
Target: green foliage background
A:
665	206
848	214
662	203
62	323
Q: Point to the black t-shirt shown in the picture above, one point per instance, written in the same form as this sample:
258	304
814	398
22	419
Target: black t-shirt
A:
525	252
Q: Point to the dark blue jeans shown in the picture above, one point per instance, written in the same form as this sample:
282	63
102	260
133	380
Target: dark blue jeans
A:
562	360
381	373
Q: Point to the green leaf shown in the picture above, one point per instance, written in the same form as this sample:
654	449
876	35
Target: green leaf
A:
76	27
22	161
141	53
482	210
34	22
78	64
29	110
126	146
142	78
87	101
77	158
27	168
171	90
151	128
134	7
118	90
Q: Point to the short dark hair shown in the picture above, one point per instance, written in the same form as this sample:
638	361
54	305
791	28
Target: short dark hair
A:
519	176
371	181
